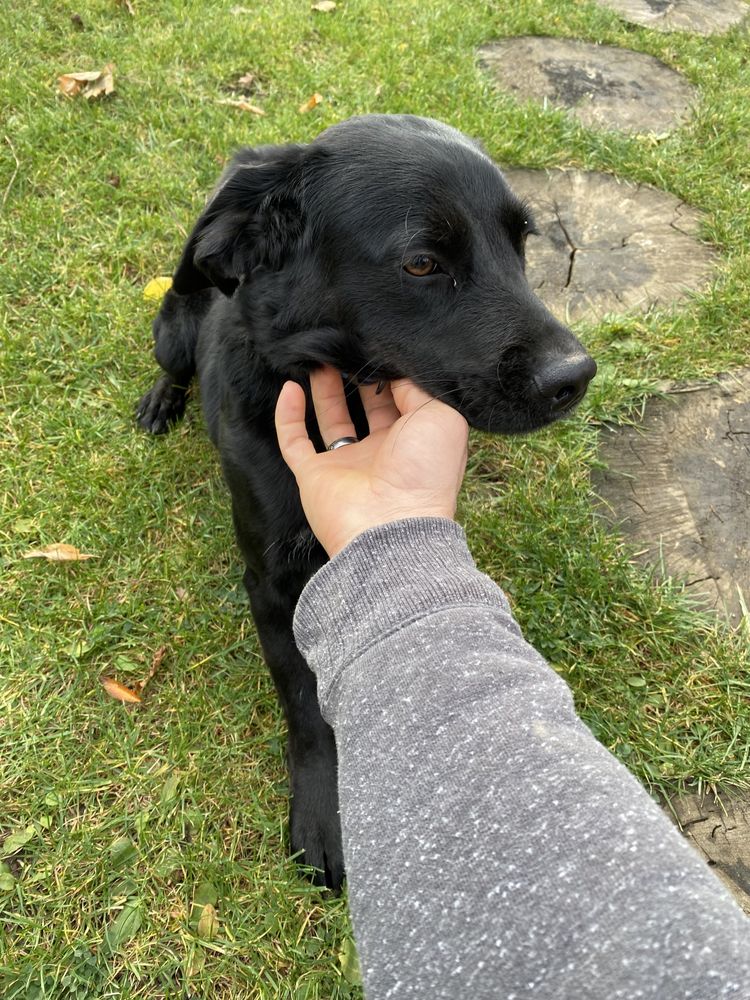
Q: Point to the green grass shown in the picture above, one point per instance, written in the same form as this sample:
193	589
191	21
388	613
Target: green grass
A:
132	813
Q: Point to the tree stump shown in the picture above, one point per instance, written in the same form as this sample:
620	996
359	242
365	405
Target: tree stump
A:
700	17
605	87
678	485
608	245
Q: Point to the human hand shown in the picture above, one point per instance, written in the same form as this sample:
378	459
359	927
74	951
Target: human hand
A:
410	465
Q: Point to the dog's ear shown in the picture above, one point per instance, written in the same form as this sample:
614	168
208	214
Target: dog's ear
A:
253	217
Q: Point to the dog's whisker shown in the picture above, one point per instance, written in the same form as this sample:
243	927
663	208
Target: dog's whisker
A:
421	406
489	419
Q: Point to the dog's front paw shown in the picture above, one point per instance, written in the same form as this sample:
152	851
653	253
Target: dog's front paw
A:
315	827
161	406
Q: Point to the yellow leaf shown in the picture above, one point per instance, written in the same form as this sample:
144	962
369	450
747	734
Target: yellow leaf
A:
208	924
314	101
193	962
91	84
58	553
156	289
350	963
324	6
118	691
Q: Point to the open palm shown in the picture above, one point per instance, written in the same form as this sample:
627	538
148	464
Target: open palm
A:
410	465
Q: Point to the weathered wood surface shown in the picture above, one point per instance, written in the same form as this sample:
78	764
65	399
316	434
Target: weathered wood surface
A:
608	245
678	486
700	17
605	87
719	829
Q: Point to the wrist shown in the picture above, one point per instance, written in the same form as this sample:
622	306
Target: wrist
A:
334	542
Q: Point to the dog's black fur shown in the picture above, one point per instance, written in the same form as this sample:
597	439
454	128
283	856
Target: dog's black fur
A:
300	258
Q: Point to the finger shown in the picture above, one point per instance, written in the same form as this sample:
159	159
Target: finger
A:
329	400
411	400
379	407
408	397
291	430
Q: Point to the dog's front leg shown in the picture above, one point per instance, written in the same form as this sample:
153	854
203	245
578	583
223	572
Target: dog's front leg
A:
314	825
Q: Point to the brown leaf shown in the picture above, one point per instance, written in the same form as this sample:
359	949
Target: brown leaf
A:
58	553
314	101
116	690
324	6
91	84
247	86
73	83
128	5
243	106
155	664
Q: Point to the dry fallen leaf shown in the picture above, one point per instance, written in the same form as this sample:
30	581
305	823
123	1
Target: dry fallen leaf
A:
58	553
208	923
324	6
157	288
155	664
128	5
247	86
133	695
116	690
243	106
72	83
314	101
94	83
194	962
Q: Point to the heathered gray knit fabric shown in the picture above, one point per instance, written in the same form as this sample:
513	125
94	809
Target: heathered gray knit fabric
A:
493	847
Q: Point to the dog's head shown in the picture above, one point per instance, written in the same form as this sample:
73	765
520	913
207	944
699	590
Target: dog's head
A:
390	246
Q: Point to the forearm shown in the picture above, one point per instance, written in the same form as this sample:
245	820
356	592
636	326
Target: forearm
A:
493	847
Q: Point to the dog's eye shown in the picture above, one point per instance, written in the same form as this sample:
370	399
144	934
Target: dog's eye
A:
421	266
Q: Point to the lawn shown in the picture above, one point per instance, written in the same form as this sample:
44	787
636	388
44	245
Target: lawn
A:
149	858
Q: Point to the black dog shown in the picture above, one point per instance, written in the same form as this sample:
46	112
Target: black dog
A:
390	246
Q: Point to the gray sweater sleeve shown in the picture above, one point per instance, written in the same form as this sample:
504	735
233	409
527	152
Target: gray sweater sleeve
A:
493	847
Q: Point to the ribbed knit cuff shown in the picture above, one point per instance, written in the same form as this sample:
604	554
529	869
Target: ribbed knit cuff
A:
387	577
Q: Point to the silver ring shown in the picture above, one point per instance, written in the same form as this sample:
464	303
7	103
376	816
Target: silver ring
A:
341	442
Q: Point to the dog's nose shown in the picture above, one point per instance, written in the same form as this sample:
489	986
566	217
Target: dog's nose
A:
564	382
